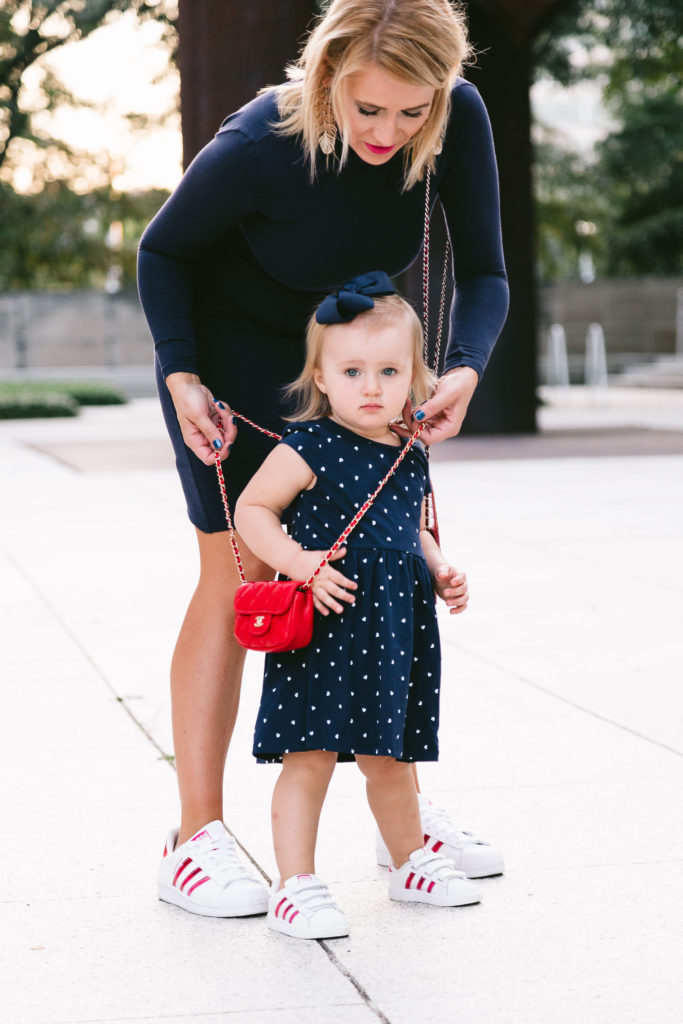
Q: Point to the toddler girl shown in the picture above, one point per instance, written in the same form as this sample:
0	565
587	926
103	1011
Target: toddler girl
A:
367	687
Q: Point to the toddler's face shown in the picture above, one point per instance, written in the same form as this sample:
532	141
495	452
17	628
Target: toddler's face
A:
366	371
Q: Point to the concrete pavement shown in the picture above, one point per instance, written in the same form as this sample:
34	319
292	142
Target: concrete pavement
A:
562	741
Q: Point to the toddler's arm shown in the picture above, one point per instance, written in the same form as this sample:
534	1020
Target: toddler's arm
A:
450	583
258	514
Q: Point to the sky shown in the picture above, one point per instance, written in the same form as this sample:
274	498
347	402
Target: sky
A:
116	67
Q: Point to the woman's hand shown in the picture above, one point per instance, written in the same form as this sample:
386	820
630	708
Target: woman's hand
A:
445	410
206	423
451	586
329	586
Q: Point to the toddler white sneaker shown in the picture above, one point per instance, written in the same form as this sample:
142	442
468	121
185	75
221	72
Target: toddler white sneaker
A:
206	875
428	877
470	854
304	909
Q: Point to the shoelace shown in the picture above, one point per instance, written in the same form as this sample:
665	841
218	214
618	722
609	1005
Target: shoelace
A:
220	859
437	867
437	819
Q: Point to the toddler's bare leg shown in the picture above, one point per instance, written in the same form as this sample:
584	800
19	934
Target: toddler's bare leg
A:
392	797
297	801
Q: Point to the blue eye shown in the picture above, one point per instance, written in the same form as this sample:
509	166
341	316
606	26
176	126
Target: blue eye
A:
389	371
352	372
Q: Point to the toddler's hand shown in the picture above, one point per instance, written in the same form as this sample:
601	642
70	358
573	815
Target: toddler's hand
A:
329	586
451	586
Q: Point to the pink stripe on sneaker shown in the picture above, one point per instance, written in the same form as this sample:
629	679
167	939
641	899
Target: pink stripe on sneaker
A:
437	846
197	884
292	915
431	886
188	860
426	838
421	882
188	878
277	909
409	880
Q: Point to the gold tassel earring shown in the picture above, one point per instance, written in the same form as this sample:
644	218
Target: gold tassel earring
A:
327	125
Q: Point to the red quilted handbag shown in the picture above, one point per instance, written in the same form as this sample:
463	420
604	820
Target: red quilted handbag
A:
274	615
277	615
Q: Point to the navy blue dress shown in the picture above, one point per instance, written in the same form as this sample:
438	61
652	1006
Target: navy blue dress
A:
234	263
369	681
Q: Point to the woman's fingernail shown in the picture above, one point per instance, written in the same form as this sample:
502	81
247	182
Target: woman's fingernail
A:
419	415
217	445
234	420
229	446
220	405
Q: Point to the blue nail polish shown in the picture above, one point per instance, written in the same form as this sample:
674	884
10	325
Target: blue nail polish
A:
234	420
217	445
229	447
419	415
221	406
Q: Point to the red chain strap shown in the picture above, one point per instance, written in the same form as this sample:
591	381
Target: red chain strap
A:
347	530
429	501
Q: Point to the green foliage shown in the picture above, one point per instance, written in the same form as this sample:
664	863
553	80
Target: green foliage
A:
632	188
57	239
29	29
24	399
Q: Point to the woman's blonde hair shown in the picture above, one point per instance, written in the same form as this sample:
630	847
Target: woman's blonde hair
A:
420	42
313	404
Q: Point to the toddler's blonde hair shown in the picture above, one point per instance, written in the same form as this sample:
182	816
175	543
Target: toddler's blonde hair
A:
313	404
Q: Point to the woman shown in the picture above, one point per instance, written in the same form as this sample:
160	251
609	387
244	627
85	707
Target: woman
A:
313	182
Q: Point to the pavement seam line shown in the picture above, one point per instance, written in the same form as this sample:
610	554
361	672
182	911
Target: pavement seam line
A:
572	704
336	963
121	701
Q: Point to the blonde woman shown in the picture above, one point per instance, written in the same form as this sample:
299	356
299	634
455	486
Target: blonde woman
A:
315	181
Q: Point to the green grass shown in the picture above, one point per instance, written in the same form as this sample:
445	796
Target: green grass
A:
31	399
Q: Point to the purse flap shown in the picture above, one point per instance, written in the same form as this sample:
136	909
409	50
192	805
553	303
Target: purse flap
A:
265	598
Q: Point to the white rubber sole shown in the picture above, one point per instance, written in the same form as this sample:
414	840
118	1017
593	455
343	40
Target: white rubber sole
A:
249	907
321	933
488	867
469	895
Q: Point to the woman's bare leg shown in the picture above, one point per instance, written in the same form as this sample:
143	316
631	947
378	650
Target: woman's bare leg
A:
206	675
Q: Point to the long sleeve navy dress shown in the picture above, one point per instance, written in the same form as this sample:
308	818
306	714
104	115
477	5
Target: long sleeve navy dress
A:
234	263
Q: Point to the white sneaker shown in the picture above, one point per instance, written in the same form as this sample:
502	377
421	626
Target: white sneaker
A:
469	853
206	875
428	877
304	908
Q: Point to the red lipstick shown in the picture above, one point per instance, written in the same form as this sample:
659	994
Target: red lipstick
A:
379	150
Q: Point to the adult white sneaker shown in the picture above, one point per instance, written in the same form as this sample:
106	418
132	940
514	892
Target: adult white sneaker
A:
304	908
428	877
206	875
469	853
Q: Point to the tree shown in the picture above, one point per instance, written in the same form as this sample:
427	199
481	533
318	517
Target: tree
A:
632	188
30	29
57	239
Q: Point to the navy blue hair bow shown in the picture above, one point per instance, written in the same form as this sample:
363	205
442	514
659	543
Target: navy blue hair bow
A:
355	296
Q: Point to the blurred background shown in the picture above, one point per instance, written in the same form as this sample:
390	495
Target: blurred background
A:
586	104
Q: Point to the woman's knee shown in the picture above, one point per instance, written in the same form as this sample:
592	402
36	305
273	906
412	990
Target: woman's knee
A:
217	565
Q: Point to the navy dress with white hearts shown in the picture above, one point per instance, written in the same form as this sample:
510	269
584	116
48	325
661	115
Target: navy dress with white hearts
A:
368	683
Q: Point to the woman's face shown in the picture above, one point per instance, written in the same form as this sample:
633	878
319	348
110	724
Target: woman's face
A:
382	113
